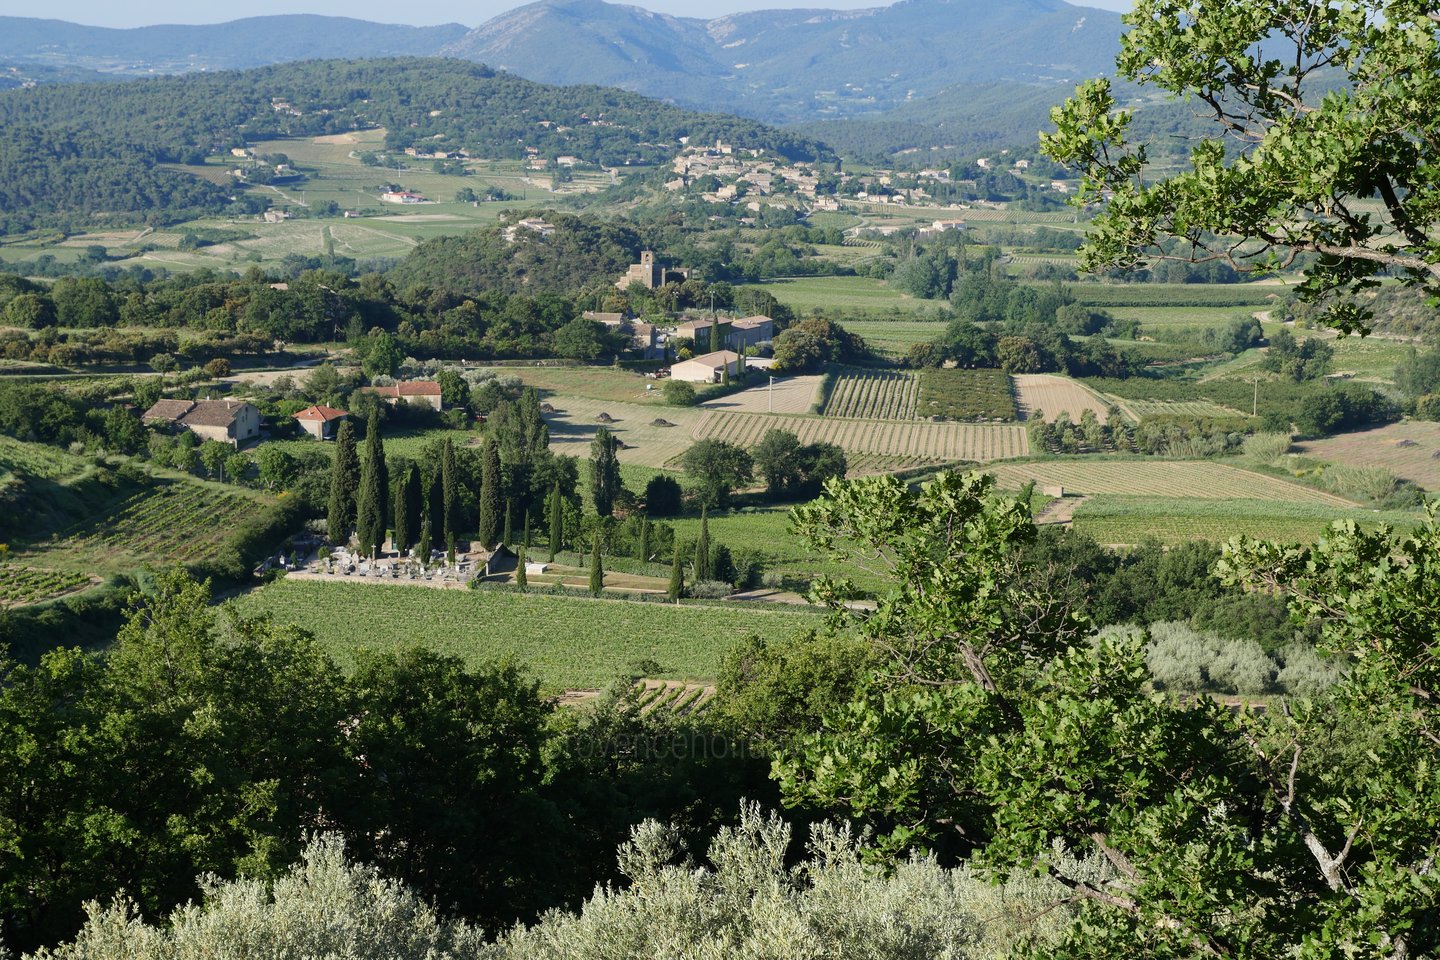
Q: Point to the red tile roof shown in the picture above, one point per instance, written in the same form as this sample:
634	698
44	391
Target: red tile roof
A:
410	388
322	413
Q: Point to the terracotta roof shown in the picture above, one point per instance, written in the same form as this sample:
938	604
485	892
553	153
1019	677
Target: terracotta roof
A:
168	410
213	413
322	413
409	388
750	323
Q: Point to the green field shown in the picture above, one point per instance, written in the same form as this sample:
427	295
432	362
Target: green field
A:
802	294
966	395
1130	520
894	337
1177	294
566	641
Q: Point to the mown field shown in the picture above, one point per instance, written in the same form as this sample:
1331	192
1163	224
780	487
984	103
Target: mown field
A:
1131	520
565	641
894	337
1410	450
1054	395
1167	479
1187	295
910	443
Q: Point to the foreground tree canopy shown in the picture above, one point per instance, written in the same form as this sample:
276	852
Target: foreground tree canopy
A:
996	726
1326	142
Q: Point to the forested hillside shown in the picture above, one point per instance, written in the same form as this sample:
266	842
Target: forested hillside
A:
70	153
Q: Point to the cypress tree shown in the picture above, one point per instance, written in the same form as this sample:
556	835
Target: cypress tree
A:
508	538
597	574
490	496
402	521
714	336
414	503
424	547
556	521
371	503
702	549
677	575
604	472
526	541
643	541
521	580
449	494
344	486
450	551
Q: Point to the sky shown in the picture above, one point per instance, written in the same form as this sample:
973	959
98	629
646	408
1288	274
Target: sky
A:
134	13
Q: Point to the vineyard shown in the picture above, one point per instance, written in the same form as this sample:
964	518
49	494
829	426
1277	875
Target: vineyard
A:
1174	294
917	442
1141	409
1131	520
873	394
177	523
20	585
1053	395
566	641
1166	479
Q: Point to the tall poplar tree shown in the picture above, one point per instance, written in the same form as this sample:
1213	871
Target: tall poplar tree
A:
557	521
344	485
490	496
370	505
604	472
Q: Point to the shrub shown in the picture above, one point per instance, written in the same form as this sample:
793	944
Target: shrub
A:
1266	447
1183	658
710	590
678	393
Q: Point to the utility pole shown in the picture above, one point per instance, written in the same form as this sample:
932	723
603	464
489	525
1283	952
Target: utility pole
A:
770	397
1255	403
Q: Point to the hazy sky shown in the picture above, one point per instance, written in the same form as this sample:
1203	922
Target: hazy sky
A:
110	13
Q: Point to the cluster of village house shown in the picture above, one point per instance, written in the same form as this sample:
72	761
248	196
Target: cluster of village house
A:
237	422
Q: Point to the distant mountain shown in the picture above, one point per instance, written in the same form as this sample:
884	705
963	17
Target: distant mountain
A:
251	42
798	65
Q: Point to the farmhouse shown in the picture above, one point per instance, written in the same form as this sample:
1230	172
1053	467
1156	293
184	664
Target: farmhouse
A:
410	391
402	196
709	368
533	224
320	421
699	331
748	331
229	421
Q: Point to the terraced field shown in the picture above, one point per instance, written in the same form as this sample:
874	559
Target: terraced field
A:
1167	479
873	394
921	441
1054	395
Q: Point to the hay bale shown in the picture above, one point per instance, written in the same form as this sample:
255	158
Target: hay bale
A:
661	422
1406	443
546	408
604	417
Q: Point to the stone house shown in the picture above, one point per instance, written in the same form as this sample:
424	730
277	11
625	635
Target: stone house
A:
321	421
708	368
229	421
410	391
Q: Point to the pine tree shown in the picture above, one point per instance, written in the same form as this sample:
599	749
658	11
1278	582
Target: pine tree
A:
449	492
508	538
597	574
521	580
677	575
490	496
604	472
702	549
344	486
372	501
556	521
